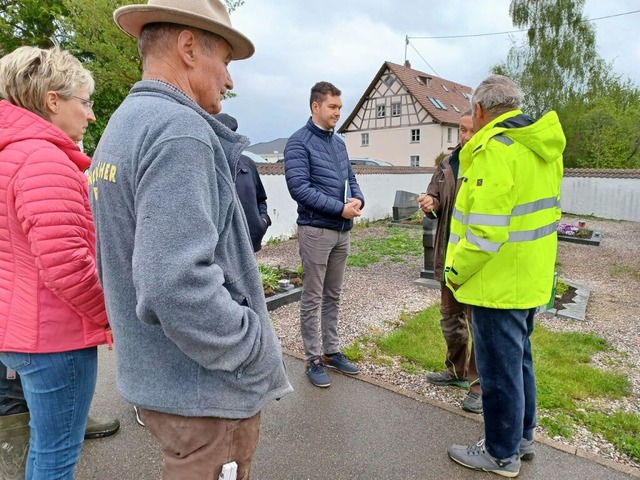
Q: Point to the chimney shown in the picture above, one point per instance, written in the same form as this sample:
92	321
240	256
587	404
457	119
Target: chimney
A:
407	64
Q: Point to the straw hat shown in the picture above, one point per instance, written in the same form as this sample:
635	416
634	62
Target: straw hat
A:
208	15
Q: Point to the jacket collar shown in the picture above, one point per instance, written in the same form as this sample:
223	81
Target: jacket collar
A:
318	131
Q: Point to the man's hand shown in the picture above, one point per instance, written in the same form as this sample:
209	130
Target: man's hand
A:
351	209
426	202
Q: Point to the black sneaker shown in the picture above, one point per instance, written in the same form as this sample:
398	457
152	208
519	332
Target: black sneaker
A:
314	368
472	403
446	379
527	450
340	363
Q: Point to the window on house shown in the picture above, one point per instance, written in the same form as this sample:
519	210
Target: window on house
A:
414	160
455	108
415	135
381	110
395	109
466	95
444	87
449	135
437	103
364	137
388	80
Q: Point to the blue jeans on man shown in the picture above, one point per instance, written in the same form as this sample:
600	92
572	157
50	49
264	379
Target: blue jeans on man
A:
503	356
59	388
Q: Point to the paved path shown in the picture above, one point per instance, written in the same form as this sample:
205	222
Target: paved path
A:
353	430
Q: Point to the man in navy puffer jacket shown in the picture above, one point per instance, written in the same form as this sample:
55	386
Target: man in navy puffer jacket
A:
320	180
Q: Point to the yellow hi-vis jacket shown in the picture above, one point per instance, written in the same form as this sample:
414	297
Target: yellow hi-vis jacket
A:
503	242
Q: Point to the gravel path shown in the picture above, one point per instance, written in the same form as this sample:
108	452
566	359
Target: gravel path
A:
375	296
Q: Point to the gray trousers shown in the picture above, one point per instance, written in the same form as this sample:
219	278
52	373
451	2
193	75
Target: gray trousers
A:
324	255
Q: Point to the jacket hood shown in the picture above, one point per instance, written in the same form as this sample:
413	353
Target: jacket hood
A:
18	124
545	136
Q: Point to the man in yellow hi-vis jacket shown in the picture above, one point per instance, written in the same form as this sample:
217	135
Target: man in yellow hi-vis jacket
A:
500	259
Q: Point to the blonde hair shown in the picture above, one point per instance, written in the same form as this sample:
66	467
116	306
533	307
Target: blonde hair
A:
28	73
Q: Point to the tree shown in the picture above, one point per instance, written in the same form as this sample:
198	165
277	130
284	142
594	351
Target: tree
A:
558	69
85	28
29	22
555	60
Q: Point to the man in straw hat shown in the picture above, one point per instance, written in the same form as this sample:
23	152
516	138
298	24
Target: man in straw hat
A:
196	350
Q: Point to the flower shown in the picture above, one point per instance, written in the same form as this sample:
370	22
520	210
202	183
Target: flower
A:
567	229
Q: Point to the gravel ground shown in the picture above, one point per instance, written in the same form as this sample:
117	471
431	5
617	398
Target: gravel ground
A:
375	296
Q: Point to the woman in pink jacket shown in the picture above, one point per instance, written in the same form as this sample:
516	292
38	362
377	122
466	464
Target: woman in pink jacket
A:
52	314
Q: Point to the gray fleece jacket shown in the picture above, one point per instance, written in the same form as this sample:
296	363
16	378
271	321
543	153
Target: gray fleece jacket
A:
184	297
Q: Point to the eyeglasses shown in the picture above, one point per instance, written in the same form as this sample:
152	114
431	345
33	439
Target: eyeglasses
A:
87	103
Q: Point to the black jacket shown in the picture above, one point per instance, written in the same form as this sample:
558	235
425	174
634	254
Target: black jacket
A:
253	199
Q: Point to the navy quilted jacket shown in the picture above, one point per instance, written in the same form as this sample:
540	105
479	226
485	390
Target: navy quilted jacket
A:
319	177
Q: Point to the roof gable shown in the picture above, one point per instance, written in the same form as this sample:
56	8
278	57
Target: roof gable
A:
443	99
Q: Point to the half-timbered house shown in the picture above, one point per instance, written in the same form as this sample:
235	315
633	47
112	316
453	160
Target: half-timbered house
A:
406	117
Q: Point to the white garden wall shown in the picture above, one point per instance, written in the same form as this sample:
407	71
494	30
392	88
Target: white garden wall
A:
602	193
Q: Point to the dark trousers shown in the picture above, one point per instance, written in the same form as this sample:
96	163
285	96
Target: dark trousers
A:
503	354
11	395
455	323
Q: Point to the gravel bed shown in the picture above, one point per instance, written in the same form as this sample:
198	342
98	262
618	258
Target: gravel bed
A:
375	296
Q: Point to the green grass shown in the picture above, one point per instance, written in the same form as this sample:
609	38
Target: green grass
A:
398	242
409	341
561	288
565	376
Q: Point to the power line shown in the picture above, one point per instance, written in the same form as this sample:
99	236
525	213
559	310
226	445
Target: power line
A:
423	59
514	31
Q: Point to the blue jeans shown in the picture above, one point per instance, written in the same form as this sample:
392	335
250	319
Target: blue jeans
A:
503	356
58	388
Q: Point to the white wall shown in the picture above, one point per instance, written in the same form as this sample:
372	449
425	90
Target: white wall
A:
616	198
379	193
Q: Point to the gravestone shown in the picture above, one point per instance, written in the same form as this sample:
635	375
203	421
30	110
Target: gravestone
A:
428	244
404	205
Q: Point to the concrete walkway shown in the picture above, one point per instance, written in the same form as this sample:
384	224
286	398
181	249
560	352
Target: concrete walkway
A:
354	430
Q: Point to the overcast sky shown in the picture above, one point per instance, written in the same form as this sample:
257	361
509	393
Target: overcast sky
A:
300	42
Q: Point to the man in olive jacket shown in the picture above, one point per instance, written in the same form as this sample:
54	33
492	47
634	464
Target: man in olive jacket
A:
456	317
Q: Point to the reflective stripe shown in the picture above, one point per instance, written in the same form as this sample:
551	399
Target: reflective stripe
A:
503	139
481	243
530	235
489	220
454	239
536	206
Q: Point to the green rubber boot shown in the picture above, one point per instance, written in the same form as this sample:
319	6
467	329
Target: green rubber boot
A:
14	445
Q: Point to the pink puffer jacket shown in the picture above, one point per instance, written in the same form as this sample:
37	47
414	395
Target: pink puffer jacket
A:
50	297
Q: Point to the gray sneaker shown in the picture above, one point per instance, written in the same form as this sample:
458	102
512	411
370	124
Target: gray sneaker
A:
472	403
476	457
446	379
526	450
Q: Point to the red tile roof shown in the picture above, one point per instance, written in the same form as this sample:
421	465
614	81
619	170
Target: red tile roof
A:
422	86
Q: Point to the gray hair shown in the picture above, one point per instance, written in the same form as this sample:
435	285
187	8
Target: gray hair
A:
28	73
496	95
467	113
157	37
